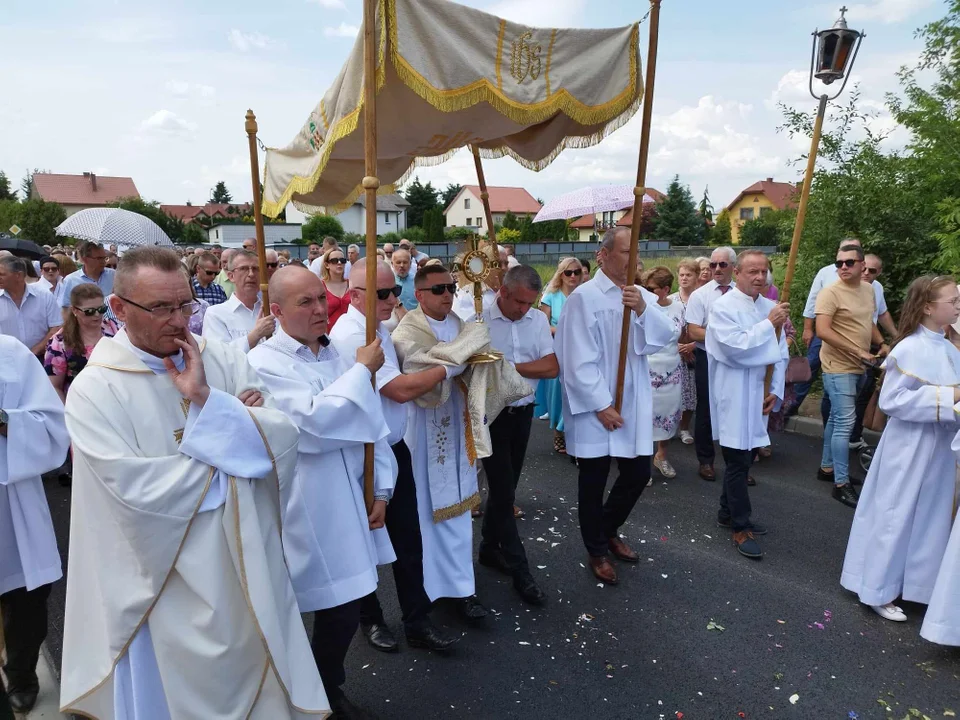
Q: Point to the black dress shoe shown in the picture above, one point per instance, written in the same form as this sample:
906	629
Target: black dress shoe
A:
427	635
825	476
380	637
528	589
494	559
343	709
846	494
22	702
471	609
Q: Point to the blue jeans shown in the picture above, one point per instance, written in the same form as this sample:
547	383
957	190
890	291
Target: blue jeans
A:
841	389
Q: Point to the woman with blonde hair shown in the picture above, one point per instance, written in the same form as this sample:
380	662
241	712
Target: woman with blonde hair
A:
565	280
332	265
688	272
706	274
66	263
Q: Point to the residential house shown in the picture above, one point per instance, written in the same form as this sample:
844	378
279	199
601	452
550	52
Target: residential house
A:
80	192
209	213
758	199
466	209
232	234
391	215
612	218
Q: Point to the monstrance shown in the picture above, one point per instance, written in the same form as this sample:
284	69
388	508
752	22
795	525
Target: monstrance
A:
476	266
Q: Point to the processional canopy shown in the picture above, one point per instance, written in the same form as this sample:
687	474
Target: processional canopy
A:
449	76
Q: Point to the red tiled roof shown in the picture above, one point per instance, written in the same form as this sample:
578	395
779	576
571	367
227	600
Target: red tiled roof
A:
584	223
502	199
79	189
780	194
627	220
182	212
188	213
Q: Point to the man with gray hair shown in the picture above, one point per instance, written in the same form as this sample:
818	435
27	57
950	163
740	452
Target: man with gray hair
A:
353	254
239	321
93	261
223	279
28	313
521	332
722	262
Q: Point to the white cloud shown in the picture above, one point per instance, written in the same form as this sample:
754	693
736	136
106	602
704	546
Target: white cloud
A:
167	123
330	4
184	89
885	11
247	41
342	30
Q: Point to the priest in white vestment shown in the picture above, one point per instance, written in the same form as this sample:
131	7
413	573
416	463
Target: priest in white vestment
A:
445	478
179	603
902	525
741	341
587	344
332	544
33	440
397	391
240	320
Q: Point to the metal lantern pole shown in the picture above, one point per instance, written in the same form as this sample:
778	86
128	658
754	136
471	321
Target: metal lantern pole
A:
639	191
370	185
251	127
491	233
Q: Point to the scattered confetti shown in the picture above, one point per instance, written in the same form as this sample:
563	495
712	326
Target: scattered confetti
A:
523	643
782	622
853	715
794	698
714	626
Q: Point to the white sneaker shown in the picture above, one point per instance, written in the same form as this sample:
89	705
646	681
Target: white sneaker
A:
650	482
858	445
545	416
890	612
686	438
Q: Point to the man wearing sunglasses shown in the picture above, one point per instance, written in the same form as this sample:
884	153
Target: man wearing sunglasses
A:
93	260
722	262
204	287
273	262
846	324
239	321
397	393
27	312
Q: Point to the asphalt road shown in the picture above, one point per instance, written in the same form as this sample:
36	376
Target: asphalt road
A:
643	649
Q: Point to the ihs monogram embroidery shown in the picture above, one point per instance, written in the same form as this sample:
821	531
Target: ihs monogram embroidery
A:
525	58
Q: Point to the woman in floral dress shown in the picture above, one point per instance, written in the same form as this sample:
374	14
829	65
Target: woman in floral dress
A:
666	374
687	279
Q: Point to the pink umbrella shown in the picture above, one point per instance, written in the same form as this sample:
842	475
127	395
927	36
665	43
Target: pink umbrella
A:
588	201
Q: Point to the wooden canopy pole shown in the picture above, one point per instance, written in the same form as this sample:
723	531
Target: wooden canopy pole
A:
370	185
251	128
639	190
491	233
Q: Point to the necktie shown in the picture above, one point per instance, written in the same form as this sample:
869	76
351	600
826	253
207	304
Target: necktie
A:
723	289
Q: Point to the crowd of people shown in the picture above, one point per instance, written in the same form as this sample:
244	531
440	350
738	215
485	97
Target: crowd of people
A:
234	476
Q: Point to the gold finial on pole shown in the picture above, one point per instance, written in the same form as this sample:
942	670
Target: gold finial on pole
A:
251	127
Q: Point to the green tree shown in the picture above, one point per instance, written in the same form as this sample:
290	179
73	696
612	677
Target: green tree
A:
721	232
508	236
415	235
39	219
193	234
677	218
449	194
705	208
5	192
389	237
320	226
220	194
510	221
421	198
9	214
433	225
26	184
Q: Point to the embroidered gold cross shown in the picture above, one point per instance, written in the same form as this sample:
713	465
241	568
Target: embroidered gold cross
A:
185	406
178	435
525	58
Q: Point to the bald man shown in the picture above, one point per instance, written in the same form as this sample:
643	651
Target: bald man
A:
396	392
331	543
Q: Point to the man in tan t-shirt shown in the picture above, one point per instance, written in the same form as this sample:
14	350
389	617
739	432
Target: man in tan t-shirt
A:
845	312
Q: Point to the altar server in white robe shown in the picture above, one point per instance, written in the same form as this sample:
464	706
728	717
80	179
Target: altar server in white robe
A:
902	524
741	341
179	603
941	624
33	440
437	441
332	544
587	344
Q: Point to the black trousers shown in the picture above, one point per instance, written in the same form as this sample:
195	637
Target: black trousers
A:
735	498
403	526
24	628
702	429
509	435
599	520
6	712
333	631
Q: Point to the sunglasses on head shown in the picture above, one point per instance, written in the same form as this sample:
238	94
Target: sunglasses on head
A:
384	293
849	263
90	312
721	265
572	273
336	261
442	288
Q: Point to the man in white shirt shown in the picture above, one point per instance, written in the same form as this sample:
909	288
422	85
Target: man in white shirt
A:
50	277
521	332
93	260
722	262
33	440
27	312
588	348
741	342
238	321
397	391
415	255
353	254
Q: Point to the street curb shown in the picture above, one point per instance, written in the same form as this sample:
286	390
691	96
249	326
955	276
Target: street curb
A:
812	427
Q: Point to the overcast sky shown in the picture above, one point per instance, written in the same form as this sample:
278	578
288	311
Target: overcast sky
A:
158	90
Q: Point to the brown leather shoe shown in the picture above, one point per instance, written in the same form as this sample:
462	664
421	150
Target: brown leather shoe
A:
707	473
603	570
622	551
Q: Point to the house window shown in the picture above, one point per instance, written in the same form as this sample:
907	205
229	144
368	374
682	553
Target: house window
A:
480	222
746	213
765	210
466	205
469	222
386	218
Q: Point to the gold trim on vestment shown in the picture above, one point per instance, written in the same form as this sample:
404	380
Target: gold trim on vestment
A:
918	378
468	438
256	698
126	646
273	463
546	74
457	510
500	34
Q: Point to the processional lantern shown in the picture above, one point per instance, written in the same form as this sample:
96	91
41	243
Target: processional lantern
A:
834	52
